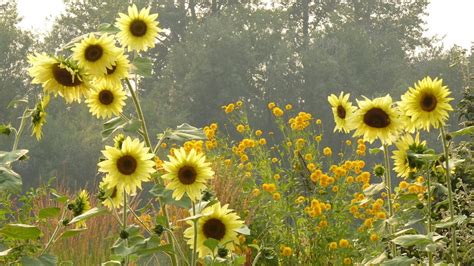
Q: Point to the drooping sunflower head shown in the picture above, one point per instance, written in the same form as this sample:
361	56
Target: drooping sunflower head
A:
138	30
96	55
38	117
106	100
217	222
187	173
111	197
119	70
403	165
59	76
80	205
342	110
128	166
427	104
377	119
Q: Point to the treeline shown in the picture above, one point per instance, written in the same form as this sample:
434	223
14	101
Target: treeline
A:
214	52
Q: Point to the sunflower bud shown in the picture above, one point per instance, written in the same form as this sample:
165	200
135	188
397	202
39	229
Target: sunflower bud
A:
222	252
159	229
379	170
65	222
207	196
123	234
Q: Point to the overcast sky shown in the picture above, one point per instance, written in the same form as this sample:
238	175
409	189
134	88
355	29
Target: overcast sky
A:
452	19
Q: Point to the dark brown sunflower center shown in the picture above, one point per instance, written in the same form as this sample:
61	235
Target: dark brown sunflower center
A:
110	71
138	28
127	165
377	118
106	97
63	77
93	52
341	112
428	102
214	228
187	175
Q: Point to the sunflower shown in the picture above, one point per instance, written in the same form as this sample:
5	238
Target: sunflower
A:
119	70
128	166
427	104
106	100
38	117
217	222
400	156
188	173
111	197
80	205
59	76
377	119
342	110
138	30
96	55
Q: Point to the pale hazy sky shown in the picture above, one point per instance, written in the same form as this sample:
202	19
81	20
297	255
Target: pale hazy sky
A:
453	19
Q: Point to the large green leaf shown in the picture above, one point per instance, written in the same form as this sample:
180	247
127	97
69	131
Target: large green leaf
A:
183	132
88	214
5	129
21	231
117	123
143	66
49	212
7	157
43	260
458	219
412	240
463	131
166	197
107	28
10	181
398	261
72	232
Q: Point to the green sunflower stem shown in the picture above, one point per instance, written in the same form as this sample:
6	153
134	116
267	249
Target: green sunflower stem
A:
138	108
428	184
20	129
124	222
193	259
139	113
450	196
388	187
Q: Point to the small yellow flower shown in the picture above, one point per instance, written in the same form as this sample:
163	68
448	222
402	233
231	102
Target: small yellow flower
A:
277	112
335	189
258	133
276	176
271	105
262	141
332	245
274	160
317	138
403	185
348	142
308	157
229	108
343	243
318	122
347	261
327	151
286	251
255	192
239	103
374	237
240	128
276	196
288	107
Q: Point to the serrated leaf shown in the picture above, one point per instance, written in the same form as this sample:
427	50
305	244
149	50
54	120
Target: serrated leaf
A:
183	133
107	28
166	197
49	212
398	261
43	260
11	156
412	240
143	66
10	181
88	214
463	131
117	123
21	231
458	219
374	189
72	232
244	230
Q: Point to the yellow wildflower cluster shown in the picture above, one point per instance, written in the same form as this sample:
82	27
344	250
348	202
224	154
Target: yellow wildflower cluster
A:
361	148
317	208
277	111
232	106
210	132
301	121
285	251
269	187
193	144
413	188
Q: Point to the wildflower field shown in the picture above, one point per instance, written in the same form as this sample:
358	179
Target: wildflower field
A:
261	186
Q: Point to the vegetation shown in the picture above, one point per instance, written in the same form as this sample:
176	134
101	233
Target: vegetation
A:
267	178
